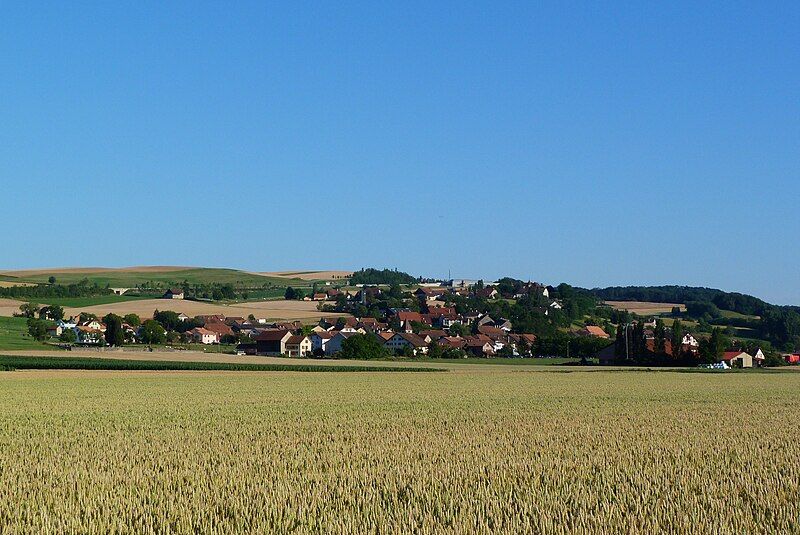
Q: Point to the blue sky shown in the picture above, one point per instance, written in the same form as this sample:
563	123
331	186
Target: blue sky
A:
637	144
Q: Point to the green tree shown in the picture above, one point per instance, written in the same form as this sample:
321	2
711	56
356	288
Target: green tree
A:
290	293
37	329
132	319
362	346
51	279
677	339
152	332
68	336
115	336
52	312
712	348
661	337
457	329
29	310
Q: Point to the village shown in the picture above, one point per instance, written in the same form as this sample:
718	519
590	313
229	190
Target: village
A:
428	325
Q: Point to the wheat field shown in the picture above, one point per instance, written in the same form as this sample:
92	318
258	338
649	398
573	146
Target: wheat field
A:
457	452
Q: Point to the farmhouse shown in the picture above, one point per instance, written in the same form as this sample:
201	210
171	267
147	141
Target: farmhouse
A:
400	341
319	341
173	293
593	330
298	346
272	342
203	336
738	359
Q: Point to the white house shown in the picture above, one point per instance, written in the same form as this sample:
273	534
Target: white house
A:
320	339
400	341
203	336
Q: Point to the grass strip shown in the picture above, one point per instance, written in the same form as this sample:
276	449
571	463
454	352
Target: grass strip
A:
10	363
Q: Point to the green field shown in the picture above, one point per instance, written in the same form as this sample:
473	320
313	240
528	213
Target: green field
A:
11	362
77	302
14	334
126	279
492	450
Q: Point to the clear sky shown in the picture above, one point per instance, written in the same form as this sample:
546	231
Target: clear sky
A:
598	144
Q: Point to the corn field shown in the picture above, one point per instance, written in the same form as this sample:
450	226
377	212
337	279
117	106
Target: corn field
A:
495	451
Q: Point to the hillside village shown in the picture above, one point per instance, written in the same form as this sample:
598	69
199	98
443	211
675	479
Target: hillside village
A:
456	319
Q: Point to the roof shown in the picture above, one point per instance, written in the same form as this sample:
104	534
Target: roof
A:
273	335
324	334
409	316
202	331
174	291
413	339
730	355
295	339
594	330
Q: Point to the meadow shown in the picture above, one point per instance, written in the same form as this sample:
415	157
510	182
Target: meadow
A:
161	275
487	450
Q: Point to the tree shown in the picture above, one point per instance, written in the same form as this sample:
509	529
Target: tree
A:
457	329
86	316
68	336
52	312
115	336
152	332
37	329
661	337
51	279
712	348
132	319
362	346
29	310
677	339
168	319
290	293
435	351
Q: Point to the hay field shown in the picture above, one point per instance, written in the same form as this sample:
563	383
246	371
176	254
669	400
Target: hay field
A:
645	308
9	307
308	275
274	310
503	452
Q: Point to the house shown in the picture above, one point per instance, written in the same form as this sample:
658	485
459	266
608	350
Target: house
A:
690	341
218	327
593	330
738	359
479	345
272	342
793	358
173	293
456	342
93	325
487	293
759	357
319	340
87	335
319	297
503	323
183	317
400	341
298	345
200	335
334	345
55	331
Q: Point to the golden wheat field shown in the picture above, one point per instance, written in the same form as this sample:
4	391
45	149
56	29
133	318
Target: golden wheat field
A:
498	451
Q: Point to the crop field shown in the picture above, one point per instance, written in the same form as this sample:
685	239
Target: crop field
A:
645	308
270	309
490	450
